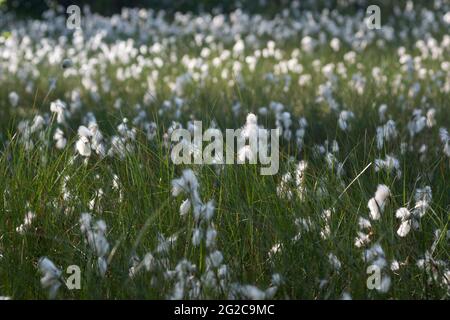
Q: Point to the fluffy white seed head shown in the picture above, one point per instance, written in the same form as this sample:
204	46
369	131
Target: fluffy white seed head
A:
374	209
404	228
403	214
83	147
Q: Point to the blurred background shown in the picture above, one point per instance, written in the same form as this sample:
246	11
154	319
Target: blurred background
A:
108	7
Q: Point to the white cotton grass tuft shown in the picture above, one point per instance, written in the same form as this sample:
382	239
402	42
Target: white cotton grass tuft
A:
51	278
94	234
90	139
276	248
334	261
185	207
61	141
385	283
431	118
445	139
404	228
187	183
382	112
83	146
254	293
375	256
84	132
346	296
362	239
444	135
389	164
208	210
380	138
29	217
381	195
395	265
376	204
423	198
38	124
403	214
59	108
344	118
301	132
446	18
94	203
211	236
294	184
165	243
364	223
325	232
387	133
13	99
202	212
97	143
417	123
374	209
215	258
410	219
196	237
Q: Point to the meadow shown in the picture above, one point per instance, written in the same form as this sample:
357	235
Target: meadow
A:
87	178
